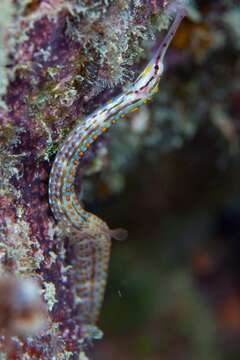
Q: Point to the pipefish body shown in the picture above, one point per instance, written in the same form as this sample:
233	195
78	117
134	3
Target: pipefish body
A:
95	236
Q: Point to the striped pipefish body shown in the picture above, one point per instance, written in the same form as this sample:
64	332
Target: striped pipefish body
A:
95	235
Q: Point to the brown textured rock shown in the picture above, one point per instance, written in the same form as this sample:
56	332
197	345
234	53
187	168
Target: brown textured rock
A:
58	56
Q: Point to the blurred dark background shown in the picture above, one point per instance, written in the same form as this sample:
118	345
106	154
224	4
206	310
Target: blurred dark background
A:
174	284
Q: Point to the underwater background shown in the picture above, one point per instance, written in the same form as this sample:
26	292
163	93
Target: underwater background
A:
174	288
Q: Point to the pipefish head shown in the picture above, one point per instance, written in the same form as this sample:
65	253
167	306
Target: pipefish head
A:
147	82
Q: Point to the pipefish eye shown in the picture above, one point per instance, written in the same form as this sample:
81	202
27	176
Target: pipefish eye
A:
156	67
